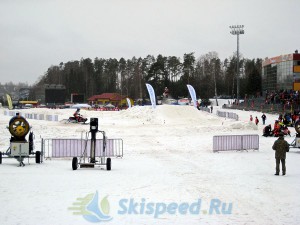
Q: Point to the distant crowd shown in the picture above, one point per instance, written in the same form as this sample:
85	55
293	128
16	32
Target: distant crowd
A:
282	97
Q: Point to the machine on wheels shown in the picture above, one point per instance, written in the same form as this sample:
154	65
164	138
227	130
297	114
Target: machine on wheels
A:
296	141
19	147
91	160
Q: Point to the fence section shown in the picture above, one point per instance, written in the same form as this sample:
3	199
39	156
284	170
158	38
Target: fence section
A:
261	106
229	115
31	115
235	142
60	148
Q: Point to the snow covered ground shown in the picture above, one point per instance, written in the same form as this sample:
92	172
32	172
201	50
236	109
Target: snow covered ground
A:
169	173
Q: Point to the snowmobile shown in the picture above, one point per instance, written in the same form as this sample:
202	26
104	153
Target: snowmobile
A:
80	119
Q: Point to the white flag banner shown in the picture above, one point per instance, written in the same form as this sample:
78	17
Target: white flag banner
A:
9	102
192	94
152	95
128	102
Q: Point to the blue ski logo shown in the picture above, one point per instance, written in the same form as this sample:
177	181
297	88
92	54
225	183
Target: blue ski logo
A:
88	207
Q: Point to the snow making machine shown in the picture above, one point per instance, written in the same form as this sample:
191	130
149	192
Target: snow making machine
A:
19	147
93	158
296	141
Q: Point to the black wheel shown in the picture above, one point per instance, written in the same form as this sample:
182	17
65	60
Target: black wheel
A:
74	163
37	157
0	157
30	142
108	163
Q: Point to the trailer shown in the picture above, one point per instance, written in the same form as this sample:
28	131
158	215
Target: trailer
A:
91	160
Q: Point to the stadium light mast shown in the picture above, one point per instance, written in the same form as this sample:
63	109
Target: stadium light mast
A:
237	30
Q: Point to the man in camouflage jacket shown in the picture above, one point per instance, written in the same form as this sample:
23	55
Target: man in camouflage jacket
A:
281	147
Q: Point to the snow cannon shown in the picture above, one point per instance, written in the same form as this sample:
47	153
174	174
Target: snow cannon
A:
19	147
18	128
93	158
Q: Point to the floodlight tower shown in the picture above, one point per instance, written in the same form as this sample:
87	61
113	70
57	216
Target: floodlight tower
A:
237	30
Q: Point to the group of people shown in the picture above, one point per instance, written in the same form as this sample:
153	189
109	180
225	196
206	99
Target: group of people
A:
280	126
256	120
282	96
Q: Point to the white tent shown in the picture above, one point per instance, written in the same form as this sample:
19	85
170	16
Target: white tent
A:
81	106
109	105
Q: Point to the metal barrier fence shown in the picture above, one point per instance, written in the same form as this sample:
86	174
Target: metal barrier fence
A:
267	108
31	115
60	148
230	115
235	142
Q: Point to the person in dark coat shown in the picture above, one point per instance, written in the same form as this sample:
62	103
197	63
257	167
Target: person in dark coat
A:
281	147
267	131
263	117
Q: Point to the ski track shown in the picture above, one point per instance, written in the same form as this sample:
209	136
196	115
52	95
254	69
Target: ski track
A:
168	157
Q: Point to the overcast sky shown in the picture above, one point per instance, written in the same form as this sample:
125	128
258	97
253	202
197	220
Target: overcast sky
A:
35	34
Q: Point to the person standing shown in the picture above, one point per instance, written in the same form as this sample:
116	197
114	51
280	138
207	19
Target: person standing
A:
166	92
281	147
256	120
251	118
263	117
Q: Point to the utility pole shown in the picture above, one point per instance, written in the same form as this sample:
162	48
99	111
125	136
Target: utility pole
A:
237	30
215	81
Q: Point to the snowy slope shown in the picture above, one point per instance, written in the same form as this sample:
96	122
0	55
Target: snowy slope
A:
168	158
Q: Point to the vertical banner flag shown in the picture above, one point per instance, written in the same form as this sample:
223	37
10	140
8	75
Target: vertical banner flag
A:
192	94
152	95
128	102
9	102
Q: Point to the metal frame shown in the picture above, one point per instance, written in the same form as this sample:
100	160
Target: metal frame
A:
235	142
47	145
20	158
101	159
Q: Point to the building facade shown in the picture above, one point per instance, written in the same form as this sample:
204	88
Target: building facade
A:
281	72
